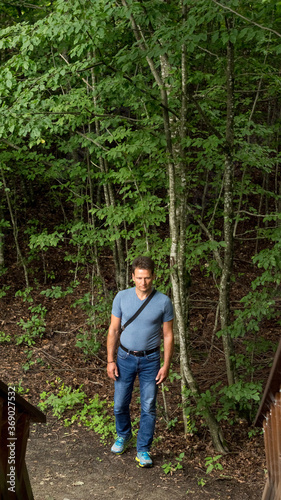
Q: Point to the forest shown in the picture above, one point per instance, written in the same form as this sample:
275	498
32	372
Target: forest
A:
143	128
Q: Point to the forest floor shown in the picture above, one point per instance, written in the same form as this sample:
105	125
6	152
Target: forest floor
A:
71	463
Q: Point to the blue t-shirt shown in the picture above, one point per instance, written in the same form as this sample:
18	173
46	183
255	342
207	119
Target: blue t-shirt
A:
145	331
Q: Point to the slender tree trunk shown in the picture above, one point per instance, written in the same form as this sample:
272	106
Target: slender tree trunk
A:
224	292
15	228
118	250
177	223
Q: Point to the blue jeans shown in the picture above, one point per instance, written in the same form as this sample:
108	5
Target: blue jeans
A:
146	367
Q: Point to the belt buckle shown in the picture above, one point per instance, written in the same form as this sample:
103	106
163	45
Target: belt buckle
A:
135	353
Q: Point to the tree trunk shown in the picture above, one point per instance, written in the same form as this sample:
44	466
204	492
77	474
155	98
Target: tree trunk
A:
118	250
177	225
15	228
224	291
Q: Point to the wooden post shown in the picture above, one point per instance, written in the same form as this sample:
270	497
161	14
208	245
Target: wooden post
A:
15	417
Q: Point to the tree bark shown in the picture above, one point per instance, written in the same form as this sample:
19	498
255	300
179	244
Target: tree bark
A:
15	228
224	291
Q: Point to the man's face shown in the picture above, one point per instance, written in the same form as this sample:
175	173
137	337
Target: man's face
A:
143	279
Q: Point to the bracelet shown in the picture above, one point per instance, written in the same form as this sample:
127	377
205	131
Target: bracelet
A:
110	362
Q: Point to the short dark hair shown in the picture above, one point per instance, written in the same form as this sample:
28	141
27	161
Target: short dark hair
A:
143	262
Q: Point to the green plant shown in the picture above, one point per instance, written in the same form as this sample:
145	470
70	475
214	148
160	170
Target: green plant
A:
56	292
88	342
173	375
65	399
235	400
34	327
25	294
3	291
5	337
201	482
94	415
212	463
20	389
239	397
170	467
98	312
255	431
171	424
97	307
29	361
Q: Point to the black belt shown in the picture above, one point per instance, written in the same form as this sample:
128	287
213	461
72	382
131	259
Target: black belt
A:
139	353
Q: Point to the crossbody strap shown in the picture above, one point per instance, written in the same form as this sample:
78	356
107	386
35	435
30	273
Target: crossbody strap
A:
139	310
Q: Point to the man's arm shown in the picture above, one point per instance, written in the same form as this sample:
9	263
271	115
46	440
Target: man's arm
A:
112	340
168	335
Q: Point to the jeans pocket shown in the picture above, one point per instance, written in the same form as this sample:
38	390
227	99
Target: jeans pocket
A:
153	356
122	354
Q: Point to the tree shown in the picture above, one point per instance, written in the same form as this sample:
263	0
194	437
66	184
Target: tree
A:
136	117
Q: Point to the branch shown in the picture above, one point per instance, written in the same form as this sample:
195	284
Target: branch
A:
143	91
92	140
14	146
204	117
207	232
83	79
247	19
23	4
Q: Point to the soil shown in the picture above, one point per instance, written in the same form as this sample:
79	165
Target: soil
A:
71	463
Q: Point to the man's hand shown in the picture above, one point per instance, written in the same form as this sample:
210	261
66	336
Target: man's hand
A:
162	375
112	371
112	340
168	351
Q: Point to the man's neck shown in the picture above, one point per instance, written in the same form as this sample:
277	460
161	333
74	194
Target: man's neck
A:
143	295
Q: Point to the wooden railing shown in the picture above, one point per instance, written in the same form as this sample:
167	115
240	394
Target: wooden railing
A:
15	417
269	417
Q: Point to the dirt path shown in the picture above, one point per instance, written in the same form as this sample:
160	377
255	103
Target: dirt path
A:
71	464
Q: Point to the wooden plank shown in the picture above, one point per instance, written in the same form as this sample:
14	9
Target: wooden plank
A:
5	495
268	491
23	487
23	490
274	444
272	387
35	414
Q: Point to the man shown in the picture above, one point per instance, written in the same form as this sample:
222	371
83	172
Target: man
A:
139	354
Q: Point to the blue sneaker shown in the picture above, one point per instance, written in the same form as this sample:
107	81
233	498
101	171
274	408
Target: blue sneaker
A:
120	445
144	459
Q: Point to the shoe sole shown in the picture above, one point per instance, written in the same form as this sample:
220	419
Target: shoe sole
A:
146	466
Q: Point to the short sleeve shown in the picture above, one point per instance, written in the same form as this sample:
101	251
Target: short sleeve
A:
168	311
116	306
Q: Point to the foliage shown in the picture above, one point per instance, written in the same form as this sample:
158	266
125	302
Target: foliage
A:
20	389
33	327
82	133
4	290
65	398
87	341
56	292
170	468
231	402
5	337
212	463
98	308
94	415
91	413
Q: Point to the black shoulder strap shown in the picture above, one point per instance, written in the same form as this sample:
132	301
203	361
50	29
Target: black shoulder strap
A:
139	310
